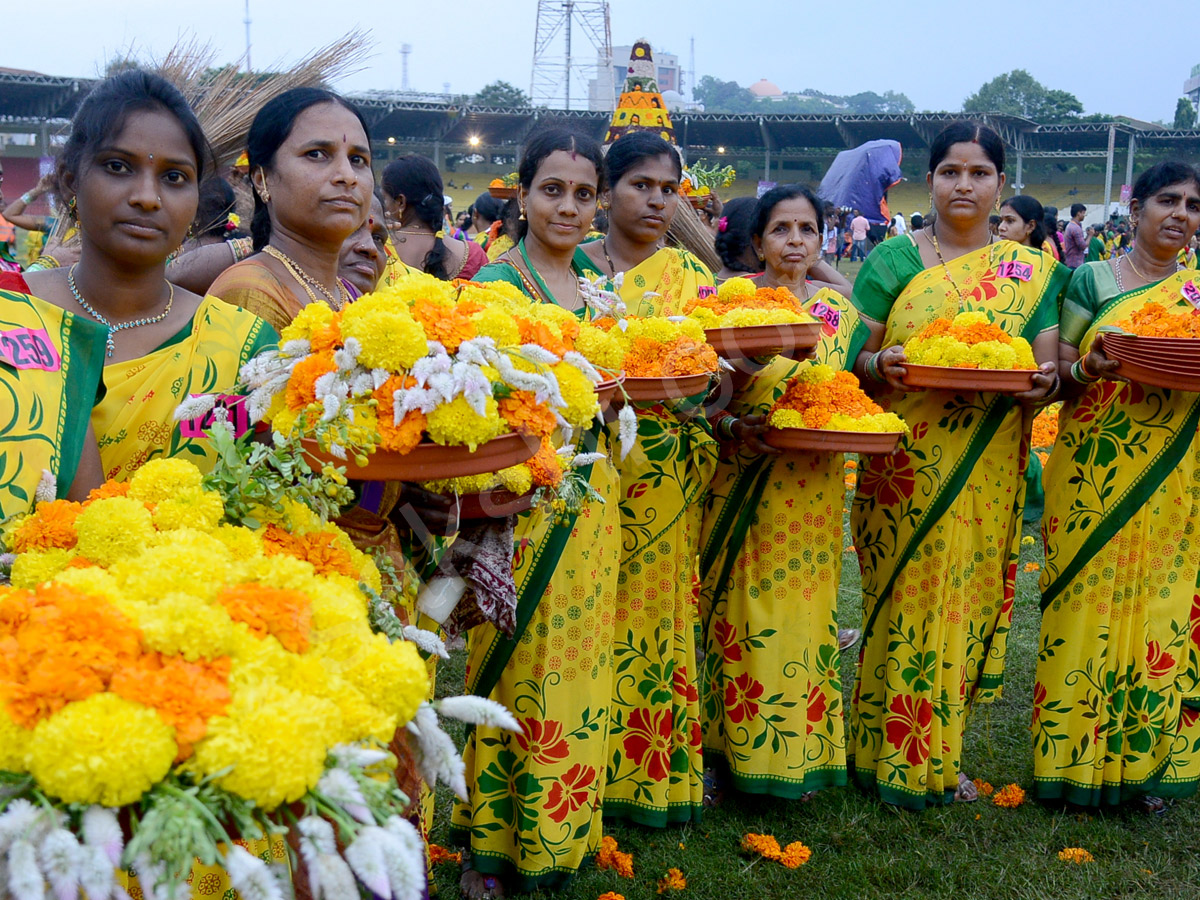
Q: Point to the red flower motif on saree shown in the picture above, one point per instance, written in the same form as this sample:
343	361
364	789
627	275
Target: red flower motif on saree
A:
1159	663
543	740
889	479
908	727
984	289
1195	619
570	792
817	707
1039	699
726	636
740	697
1188	717
685	688
648	739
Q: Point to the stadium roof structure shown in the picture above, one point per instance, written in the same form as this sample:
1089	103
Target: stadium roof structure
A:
31	97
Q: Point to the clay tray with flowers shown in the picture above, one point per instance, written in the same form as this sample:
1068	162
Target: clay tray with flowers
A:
432	462
606	391
477	509
954	378
503	193
1166	362
825	440
653	390
763	340
699	201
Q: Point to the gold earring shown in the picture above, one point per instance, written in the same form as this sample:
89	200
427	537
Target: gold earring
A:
521	217
997	203
265	194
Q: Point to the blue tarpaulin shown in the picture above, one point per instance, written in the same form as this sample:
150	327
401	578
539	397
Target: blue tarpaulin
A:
858	178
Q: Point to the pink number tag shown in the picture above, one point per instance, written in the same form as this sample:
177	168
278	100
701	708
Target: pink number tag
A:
29	348
239	417
1013	269
1191	294
830	316
706	290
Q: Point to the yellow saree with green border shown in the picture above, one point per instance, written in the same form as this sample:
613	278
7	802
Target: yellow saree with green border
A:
534	813
771	561
50	366
655	768
1117	700
937	526
135	422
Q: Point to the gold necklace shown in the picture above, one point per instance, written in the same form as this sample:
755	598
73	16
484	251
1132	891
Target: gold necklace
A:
932	234
1137	272
307	281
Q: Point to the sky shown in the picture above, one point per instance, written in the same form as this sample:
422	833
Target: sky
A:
1114	59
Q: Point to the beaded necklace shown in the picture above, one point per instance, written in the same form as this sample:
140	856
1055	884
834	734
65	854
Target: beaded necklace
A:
113	328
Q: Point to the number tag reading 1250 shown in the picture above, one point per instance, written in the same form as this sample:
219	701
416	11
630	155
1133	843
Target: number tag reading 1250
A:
29	348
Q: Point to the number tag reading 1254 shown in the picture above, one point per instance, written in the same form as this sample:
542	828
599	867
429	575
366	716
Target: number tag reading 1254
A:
234	404
1012	269
29	348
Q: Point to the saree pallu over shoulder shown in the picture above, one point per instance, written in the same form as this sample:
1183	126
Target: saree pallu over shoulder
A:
937	526
771	695
1117	699
50	367
135	422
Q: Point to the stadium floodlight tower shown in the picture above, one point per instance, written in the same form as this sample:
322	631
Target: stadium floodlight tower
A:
558	61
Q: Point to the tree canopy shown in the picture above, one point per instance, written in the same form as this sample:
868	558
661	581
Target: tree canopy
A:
1017	93
503	95
731	97
1185	114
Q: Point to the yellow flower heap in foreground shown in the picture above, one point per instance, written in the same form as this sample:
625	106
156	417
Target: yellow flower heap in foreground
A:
738	303
969	341
819	397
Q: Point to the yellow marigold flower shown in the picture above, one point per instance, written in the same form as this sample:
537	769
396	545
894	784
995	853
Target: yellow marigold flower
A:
90	580
273	741
390	675
412	287
580	394
517	479
38	566
284	572
464	484
736	287
1076	855
314	317
1028	541
600	348
14	740
179	624
162	479
672	881
455	423
795	855
334	610
390	337
104	749
285	420
191	507
1010	796
741	318
194	564
242	543
113	529
497	324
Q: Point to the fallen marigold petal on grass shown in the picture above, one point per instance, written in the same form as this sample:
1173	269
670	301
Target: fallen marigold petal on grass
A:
672	881
984	787
1010	796
439	854
611	895
609	857
1032	567
763	844
1076	855
795	855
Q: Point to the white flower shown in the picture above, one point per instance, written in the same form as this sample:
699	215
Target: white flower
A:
516	378
250	876
435	348
258	403
59	854
367	858
535	353
436	755
441	385
150	876
96	876
24	877
405	400
428	366
346	357
627	428
362	384
470	381
299	347
579	361
406	861
586	459
379	376
478	711
623	324
17	822
332	406
316	836
336	881
426	641
478	350
340	787
194	407
357	756
337	451
47	487
101	829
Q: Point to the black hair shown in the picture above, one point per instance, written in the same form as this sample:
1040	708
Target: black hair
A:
733	240
1029	210
1050	224
418	181
217	201
270	128
104	112
993	220
1161	175
776	195
963	132
489	207
917	222
1077	208
541	144
631	148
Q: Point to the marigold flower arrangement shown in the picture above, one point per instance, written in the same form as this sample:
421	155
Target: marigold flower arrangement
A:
700	180
207	676
505	181
1155	320
1045	427
1009	797
738	303
1076	855
819	397
969	341
659	347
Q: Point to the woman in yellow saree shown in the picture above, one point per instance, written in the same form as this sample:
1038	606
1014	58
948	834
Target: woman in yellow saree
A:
938	525
533	817
655	768
772	549
1116	713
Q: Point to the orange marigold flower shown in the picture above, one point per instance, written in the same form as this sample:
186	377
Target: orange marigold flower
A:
762	298
1032	567
439	854
184	694
985	788
51	525
405	436
319	548
609	857
672	881
285	614
763	844
1155	320
539	333
1045	428
524	414
448	325
545	466
106	490
328	338
1076	855
795	855
611	895
1010	796
301	387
